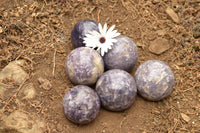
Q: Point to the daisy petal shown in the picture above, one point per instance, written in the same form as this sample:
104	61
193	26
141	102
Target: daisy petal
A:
109	47
95	33
105	29
117	34
111	28
112	34
102	52
113	40
88	36
100	29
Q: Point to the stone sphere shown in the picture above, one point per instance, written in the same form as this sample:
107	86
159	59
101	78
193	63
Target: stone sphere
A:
116	89
154	80
123	55
80	30
81	104
84	66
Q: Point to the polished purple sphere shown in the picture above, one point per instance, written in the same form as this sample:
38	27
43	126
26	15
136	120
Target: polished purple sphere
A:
84	66
81	104
154	80
116	89
123	55
80	30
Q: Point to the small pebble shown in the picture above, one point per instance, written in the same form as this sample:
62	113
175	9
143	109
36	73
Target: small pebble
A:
172	15
1	30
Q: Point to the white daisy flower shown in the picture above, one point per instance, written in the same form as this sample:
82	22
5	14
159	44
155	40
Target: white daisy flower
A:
102	40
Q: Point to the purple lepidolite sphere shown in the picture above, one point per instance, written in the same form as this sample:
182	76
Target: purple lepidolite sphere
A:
154	80
80	29
116	89
81	104
84	66
123	55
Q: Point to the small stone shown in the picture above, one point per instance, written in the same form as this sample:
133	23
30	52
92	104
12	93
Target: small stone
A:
185	117
1	30
159	45
20	11
42	14
16	14
172	15
33	14
156	112
56	25
31	9
23	123
5	14
155	1
14	71
44	83
161	32
59	127
28	91
140	44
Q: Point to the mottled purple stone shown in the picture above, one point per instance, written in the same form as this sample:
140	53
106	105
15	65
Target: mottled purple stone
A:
84	66
123	55
154	80
80	30
81	104
116	89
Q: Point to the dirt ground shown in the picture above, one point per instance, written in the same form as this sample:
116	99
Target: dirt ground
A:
39	33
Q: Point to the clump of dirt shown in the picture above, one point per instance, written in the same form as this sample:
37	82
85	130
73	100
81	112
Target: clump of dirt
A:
38	31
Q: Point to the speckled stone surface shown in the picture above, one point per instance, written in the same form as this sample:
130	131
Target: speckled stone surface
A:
80	29
116	89
81	104
154	80
123	55
84	66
